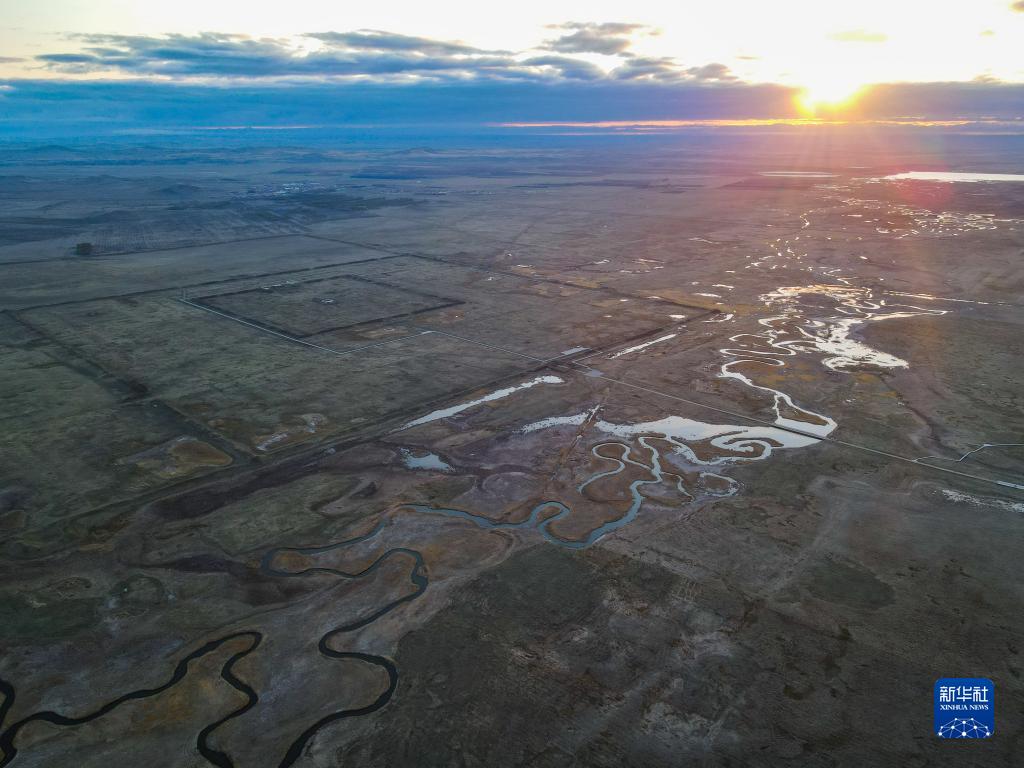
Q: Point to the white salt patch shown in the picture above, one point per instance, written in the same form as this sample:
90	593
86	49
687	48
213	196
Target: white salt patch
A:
848	353
577	420
646	344
756	441
833	337
743	443
498	394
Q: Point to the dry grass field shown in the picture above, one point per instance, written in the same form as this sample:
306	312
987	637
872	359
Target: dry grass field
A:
370	457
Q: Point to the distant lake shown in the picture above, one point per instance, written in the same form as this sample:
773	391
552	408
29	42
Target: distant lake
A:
804	174
955	176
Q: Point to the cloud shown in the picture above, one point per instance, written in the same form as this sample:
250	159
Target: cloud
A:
713	71
859	36
566	67
666	69
379	40
945	101
1017	6
451	110
610	38
660	68
9	59
355	54
367	54
62	107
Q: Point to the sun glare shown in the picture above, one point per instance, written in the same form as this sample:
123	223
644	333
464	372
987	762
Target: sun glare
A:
828	94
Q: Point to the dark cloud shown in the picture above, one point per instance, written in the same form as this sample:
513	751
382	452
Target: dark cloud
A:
363	54
566	67
358	54
945	101
378	40
610	38
661	68
50	107
665	69
859	36
713	71
177	55
9	59
453	109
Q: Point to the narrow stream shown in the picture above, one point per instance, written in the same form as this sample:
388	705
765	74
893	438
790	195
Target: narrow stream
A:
417	578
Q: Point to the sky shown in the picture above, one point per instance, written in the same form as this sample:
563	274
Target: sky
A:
531	60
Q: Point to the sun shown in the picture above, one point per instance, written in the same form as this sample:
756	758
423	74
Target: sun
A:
828	94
